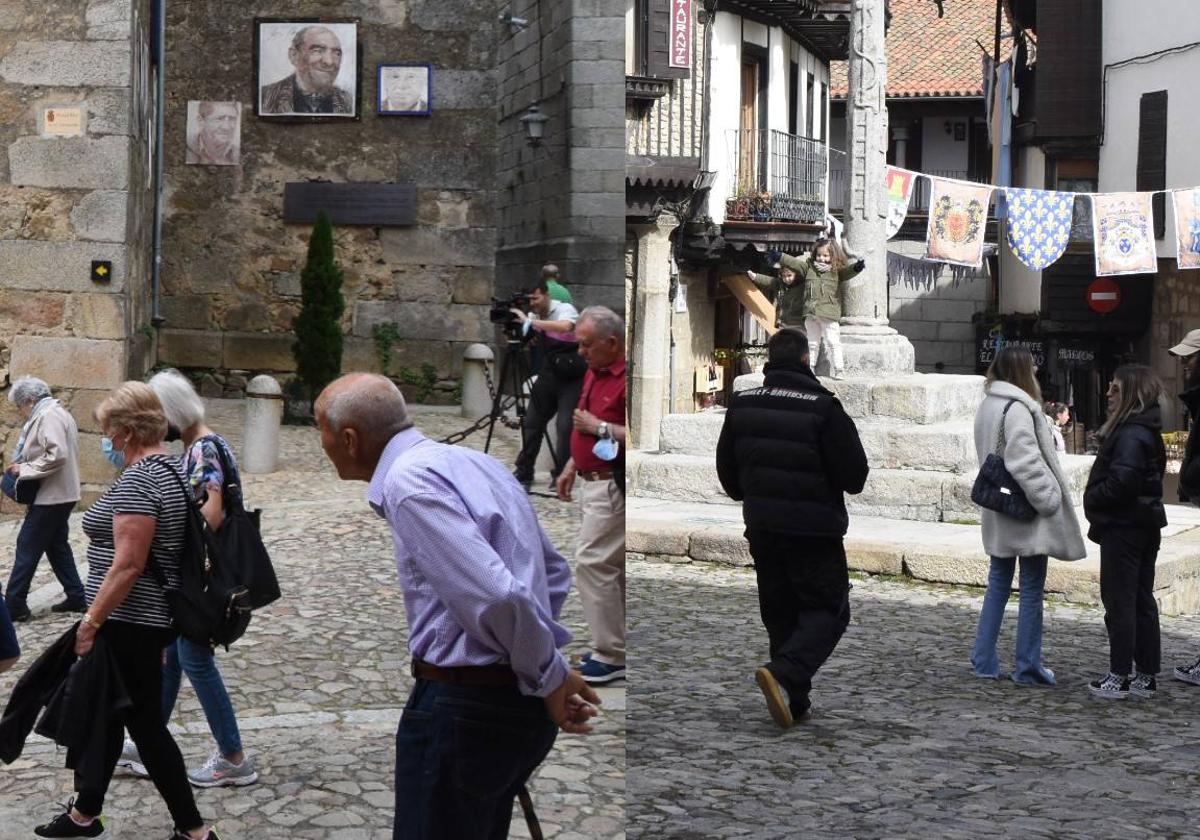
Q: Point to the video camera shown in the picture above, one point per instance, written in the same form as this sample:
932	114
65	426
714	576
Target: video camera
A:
501	311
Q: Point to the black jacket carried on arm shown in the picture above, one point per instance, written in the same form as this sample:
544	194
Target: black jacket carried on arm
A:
1189	470
80	697
1124	489
788	451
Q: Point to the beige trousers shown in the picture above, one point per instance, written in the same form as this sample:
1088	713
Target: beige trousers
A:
600	568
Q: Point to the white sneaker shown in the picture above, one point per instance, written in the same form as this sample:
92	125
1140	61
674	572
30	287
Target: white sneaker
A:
217	772
131	762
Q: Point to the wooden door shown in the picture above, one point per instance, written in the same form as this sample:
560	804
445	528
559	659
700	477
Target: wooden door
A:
748	131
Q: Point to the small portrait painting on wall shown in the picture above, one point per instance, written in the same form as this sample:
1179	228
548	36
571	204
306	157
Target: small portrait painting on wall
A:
404	89
307	68
214	133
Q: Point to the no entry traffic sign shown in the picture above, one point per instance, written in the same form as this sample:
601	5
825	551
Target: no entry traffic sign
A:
1104	295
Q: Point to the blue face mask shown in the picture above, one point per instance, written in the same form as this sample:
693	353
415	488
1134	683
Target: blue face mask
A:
606	449
116	457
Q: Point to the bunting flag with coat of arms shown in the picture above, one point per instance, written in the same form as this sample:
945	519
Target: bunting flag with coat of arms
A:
1123	233
1186	204
899	189
1039	225
957	221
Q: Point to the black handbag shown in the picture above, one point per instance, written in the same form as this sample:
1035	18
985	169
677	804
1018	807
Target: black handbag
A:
995	488
238	540
21	491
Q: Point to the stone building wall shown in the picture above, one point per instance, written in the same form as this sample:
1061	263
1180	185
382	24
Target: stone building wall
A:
563	201
937	318
231	274
1175	313
66	201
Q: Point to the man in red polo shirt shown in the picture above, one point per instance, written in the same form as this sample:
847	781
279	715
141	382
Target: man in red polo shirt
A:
598	459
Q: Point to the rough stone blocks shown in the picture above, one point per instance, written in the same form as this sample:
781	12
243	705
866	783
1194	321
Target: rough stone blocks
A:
67	64
258	352
99	316
75	162
189	348
69	362
59	266
101	215
691	434
425	321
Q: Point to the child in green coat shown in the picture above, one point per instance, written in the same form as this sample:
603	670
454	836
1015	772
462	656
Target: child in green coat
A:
822	272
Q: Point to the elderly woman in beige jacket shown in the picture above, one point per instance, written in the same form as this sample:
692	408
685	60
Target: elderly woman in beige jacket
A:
1014	399
47	452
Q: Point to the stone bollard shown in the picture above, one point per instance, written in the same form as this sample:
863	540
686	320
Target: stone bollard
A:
264	413
476	397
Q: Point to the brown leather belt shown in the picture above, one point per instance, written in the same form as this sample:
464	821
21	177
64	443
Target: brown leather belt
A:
596	475
464	675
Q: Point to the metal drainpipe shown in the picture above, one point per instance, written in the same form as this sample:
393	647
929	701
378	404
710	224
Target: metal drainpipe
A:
156	317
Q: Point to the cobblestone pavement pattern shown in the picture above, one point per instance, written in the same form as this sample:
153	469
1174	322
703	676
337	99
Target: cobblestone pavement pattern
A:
904	742
320	677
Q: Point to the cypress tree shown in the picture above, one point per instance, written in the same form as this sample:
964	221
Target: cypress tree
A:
318	329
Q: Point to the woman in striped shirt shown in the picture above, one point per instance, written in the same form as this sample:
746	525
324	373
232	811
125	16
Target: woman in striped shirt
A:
141	519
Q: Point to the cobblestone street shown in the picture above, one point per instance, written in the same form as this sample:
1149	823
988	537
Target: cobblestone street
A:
319	679
904	742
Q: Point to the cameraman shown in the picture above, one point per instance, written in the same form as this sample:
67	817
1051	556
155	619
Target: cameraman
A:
550	323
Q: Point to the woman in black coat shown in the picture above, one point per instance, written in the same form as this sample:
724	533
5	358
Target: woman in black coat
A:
1123	505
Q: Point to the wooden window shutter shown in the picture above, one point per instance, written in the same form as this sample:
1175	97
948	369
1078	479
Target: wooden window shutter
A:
658	44
1152	154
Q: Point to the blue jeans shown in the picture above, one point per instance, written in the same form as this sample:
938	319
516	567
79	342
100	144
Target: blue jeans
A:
44	531
462	754
984	660
199	664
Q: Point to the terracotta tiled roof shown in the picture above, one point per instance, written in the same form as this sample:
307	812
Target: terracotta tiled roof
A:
931	56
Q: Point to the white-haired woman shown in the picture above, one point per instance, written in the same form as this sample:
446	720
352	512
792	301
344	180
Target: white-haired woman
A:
47	452
203	466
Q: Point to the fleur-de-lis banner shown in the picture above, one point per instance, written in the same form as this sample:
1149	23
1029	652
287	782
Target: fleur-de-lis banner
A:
1123	230
899	188
957	221
1039	225
1187	227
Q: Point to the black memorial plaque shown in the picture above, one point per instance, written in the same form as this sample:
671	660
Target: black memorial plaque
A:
351	204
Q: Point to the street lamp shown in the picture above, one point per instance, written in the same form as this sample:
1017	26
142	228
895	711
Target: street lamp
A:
535	125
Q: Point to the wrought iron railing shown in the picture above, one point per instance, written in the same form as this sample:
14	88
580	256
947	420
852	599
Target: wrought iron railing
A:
776	177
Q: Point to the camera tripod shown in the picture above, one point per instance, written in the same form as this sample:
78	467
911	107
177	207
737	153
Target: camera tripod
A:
513	371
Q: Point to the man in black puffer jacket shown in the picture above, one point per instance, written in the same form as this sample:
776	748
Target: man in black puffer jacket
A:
789	452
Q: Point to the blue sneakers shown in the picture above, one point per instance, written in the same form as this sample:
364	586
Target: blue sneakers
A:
596	672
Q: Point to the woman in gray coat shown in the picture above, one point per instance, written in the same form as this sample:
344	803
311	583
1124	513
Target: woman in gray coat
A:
47	452
1030	458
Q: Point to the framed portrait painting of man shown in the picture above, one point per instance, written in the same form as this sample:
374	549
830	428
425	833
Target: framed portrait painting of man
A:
404	90
214	136
307	68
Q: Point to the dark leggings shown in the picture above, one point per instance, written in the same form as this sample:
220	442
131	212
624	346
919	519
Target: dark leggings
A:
138	651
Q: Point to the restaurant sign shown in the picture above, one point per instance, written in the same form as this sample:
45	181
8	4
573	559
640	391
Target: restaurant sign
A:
681	34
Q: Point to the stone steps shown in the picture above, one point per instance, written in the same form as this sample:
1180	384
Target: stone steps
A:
915	397
914	494
936	552
948	446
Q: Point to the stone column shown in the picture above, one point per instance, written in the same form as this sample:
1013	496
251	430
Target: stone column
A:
651	334
871	346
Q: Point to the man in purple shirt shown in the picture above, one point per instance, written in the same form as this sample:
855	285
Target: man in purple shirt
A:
483	588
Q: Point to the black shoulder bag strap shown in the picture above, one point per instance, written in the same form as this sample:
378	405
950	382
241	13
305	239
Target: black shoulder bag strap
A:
151	564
